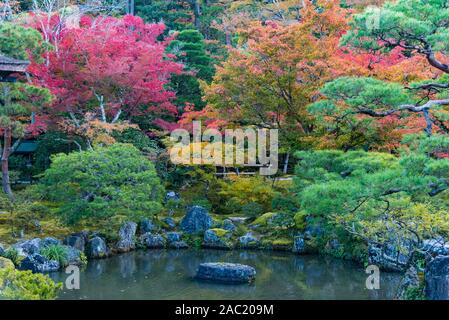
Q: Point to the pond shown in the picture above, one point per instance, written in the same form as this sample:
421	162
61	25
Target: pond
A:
169	274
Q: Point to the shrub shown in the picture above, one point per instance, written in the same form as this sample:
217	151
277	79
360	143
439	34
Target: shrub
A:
50	143
102	183
25	285
13	255
57	253
246	190
241	230
285	202
83	259
138	139
231	206
373	196
203	203
197	184
414	293
282	220
252	209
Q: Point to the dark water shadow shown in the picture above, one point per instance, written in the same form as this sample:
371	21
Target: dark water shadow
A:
169	274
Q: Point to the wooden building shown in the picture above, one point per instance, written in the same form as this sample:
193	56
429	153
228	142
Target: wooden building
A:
9	69
10	66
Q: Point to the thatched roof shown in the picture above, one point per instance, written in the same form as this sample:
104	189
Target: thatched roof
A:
11	65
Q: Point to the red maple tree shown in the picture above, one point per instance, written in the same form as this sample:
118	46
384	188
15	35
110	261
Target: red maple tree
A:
109	69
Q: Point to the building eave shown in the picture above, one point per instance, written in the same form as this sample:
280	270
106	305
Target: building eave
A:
10	65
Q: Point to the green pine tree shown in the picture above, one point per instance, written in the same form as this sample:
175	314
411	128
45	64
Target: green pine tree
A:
190	49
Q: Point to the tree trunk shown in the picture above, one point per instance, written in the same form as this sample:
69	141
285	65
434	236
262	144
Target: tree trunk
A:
287	158
228	37
197	13
5	159
130	7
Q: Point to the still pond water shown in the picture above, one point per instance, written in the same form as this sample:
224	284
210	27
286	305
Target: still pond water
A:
166	274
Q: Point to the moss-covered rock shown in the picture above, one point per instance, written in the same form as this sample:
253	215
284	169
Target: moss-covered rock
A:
300	221
97	248
217	238
281	244
153	240
168	223
264	219
6	263
249	241
228	225
241	230
220	232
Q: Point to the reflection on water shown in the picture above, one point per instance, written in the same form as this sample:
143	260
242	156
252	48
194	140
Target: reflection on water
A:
162	274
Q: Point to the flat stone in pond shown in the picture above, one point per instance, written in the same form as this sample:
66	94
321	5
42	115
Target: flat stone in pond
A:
226	272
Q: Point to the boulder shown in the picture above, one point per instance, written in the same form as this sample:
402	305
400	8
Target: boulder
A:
2	250
6	263
170	222
238	220
174	240
248	241
147	225
436	247
263	221
217	239
178	245
226	272
39	263
127	235
28	247
390	256
49	241
151	240
173	236
197	220
228	225
410	280
273	219
437	279
96	248
74	256
299	245
76	241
